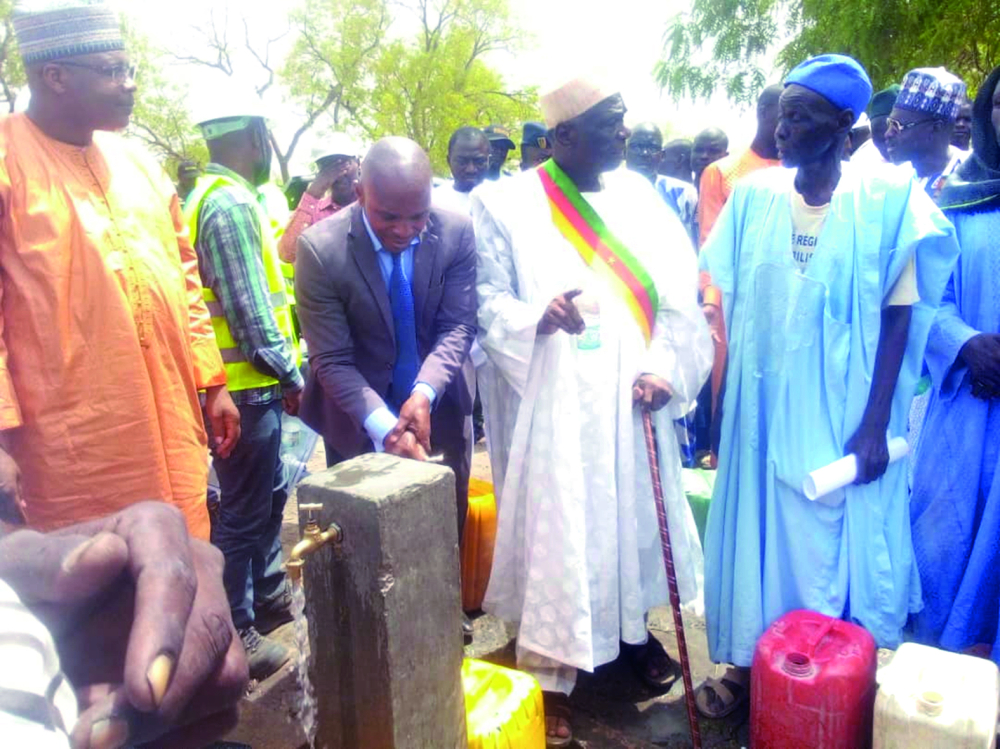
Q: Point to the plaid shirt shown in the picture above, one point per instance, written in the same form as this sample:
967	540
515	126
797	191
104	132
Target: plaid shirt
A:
229	259
309	212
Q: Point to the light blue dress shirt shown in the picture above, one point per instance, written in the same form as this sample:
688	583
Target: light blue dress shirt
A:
381	421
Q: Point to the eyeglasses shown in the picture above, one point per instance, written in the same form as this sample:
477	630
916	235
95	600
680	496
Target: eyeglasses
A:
891	123
639	148
118	73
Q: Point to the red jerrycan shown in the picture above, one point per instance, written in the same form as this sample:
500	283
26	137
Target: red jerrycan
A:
812	684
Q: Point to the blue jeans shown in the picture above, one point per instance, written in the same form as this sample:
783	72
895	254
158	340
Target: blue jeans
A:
247	526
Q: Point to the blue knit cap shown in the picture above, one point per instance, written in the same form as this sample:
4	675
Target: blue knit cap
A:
837	78
73	28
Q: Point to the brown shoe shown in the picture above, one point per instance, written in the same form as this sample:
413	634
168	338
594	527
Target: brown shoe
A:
264	656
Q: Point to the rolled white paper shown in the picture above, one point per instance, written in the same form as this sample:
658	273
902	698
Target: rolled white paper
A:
844	472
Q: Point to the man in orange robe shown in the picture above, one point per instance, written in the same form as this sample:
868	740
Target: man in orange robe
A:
718	178
104	338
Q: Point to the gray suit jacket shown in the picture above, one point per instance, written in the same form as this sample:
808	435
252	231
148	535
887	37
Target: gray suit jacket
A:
346	318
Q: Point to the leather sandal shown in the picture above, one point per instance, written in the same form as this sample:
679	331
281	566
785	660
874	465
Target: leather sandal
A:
725	692
557	708
647	657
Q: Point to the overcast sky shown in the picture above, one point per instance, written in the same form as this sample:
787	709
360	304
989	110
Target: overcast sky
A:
623	40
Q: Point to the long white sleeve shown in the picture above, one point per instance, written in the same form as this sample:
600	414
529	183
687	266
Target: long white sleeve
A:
507	324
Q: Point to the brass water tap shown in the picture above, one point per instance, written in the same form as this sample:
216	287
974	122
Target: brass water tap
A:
312	539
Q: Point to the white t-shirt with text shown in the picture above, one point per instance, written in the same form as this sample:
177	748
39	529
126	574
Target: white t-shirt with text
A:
807	225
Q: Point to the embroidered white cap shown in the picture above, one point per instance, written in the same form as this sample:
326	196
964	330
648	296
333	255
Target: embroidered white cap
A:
574	97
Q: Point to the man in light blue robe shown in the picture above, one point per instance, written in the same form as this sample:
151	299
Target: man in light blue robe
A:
830	276
956	488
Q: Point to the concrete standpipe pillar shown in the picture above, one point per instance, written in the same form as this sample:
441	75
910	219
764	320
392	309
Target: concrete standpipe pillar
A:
384	606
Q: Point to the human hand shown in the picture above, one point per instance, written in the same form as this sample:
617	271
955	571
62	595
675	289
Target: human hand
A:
415	417
405	446
651	392
711	312
291	401
224	418
328	174
981	354
142	624
12	506
562	314
870	445
713	316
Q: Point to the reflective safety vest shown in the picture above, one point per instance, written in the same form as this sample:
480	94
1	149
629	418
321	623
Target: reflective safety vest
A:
288	272
275	205
240	373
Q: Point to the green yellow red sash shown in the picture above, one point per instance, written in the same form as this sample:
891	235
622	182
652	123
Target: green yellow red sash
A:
599	248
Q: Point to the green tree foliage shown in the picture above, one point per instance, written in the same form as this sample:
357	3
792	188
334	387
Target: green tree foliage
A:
160	119
11	70
423	84
725	44
373	67
329	70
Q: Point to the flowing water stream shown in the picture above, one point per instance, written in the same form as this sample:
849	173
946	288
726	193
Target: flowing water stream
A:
307	704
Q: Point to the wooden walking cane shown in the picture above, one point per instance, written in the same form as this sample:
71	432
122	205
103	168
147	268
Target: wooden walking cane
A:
668	559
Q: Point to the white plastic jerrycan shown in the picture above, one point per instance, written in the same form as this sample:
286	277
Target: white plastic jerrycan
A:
932	698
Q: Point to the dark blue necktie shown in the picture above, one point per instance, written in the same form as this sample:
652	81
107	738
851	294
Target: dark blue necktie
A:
404	372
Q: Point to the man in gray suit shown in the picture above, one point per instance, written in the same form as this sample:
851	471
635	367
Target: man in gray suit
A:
386	293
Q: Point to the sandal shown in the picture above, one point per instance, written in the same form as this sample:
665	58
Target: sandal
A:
557	708
651	664
725	692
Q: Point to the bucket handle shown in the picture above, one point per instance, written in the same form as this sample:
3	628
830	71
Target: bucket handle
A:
823	632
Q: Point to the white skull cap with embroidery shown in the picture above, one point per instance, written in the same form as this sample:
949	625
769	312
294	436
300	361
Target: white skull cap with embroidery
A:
574	97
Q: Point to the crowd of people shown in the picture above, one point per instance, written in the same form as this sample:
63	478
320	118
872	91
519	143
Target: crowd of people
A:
832	286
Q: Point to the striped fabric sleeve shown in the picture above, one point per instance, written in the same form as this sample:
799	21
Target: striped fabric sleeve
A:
37	705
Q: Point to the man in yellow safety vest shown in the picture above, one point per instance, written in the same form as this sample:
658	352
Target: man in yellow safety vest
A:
245	293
